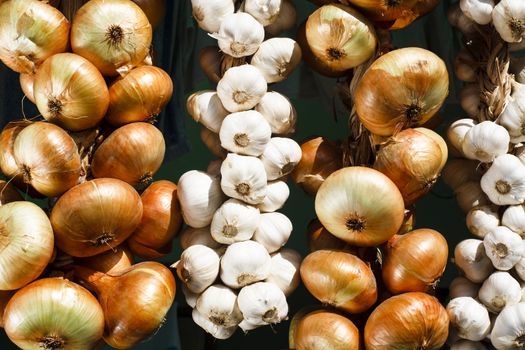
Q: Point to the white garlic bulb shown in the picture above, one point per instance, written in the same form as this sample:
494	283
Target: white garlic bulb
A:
457	130
245	133
513	116
470	195
517	67
241	88
265	11
189	296
273	231
464	67
285	270
470	100
504	181
199	195
462	287
205	107
483	219
244	263
470	318
214	167
280	157
459	171
192	236
198	267
464	344
514	218
212	141
471	259
480	11
261	304
499	290
234	221
508	18
244	178
276	58
277	192
284	21
278	112
217	311
210	13
509	328
485	141
504	248
239	35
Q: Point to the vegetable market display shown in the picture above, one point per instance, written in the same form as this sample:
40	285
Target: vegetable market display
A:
487	175
92	153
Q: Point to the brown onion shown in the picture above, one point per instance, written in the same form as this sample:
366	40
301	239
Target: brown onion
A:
139	96
210	63
132	153
5	296
26	83
8	193
415	261
408	321
413	160
154	10
112	261
135	301
403	88
95	216
319	238
148	253
8	164
339	279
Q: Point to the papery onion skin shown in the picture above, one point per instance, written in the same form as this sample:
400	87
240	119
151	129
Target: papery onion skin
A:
8	164
319	238
149	253
133	153
95	216
139	96
54	313
154	10
403	88
408	321
339	279
112	261
26	83
8	193
5	296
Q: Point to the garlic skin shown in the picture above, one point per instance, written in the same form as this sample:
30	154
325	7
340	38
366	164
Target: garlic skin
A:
217	312
245	133
483	219
520	269
277	193
273	231
464	344
508	329
244	263
241	88
285	270
513	116
209	14
514	218
189	296
280	157
205	107
234	221
200	196
508	18
198	267
276	58
457	130
278	112
471	259
265	11
499	290
486	141
261	304
470	195
470	99
470	318
214	167
191	236
504	181
458	19
239	35
462	287
212	141
504	248
244	178
480	11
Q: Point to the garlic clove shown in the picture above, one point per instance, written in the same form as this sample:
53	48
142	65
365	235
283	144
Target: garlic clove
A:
285	20
278	112
244	178
209	14
504	181
280	157
234	221
265	11
214	167
284	272
520	268
514	218
198	267
509	328
459	20
508	17
457	130
472	260
483	219
211	327
262	303
462	287
486	141
273	231
205	107
239	34
245	133
277	192
513	116
480	11
469	317
245	263
504	248
499	290
193	236
276	58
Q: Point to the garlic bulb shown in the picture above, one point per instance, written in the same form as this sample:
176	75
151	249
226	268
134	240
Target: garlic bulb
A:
212	141
277	192
273	231
244	263
517	67
200	196
241	88
278	112
499	290
245	133
508	18
485	141
470	99
214	167
261	304
284	21
514	218
192	236
470	195
504	182
244	178
265	11
470	318
217	312
198	267
471	259
509	327
504	248
465	67
464	344
239	34
460	171
458	19
205	107
277	58
483	219
520	269
462	287
209	14
513	116
457	130
285	270
480	11
234	221
280	157
189	296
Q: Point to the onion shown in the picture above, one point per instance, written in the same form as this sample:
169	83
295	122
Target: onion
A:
360	205
8	164
8	193
148	253
54	313
210	63
70	91
408	321
95	216
403	88
339	279
132	153
5	296
112	261
139	96
115	35
154	10
319	238
30	32
26	83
